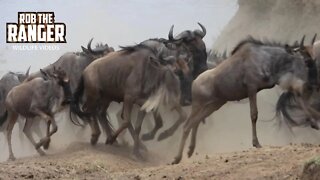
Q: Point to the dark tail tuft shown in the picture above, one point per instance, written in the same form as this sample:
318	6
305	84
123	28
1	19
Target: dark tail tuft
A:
3	118
285	102
75	104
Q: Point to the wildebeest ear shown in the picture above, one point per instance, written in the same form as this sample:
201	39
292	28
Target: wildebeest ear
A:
288	49
111	49
85	50
45	74
296	43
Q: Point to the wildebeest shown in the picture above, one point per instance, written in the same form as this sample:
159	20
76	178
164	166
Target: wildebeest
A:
39	97
7	82
253	65
73	63
193	42
138	74
287	103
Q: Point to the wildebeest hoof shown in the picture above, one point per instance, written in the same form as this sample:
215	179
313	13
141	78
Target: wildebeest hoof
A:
143	147
163	136
147	137
111	140
94	139
114	143
138	156
38	145
176	161
41	152
46	143
190	152
11	158
257	145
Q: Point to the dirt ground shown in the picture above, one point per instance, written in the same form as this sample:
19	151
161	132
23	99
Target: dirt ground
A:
82	161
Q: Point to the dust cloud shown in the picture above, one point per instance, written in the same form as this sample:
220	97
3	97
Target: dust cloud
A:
113	22
124	23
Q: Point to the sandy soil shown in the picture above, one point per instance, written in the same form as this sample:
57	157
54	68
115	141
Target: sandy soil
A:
82	161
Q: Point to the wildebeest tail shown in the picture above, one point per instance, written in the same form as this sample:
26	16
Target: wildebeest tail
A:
75	103
3	118
285	102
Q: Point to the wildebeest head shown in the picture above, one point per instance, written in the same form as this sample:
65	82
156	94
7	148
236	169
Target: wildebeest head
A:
61	78
22	77
99	51
183	68
178	59
193	40
306	51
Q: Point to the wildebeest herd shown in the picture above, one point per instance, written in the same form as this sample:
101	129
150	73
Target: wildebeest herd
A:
173	72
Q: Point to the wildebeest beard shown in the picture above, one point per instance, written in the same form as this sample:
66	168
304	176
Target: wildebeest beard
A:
155	75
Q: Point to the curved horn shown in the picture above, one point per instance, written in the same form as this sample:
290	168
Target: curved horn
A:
314	39
89	46
170	35
27	73
302	41
96	51
204	31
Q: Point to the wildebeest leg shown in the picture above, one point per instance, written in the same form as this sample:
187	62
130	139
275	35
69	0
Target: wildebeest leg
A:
169	132
119	119
21	125
12	117
198	114
137	128
127	108
37	128
49	120
27	132
193	140
105	122
54	130
158	124
95	130
254	117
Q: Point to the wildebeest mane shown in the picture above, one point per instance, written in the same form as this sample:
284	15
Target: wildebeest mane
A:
130	49
155	75
252	40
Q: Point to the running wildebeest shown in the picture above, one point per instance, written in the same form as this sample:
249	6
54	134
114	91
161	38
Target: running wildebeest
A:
193	42
73	63
39	97
253	65
287	103
7	82
136	74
